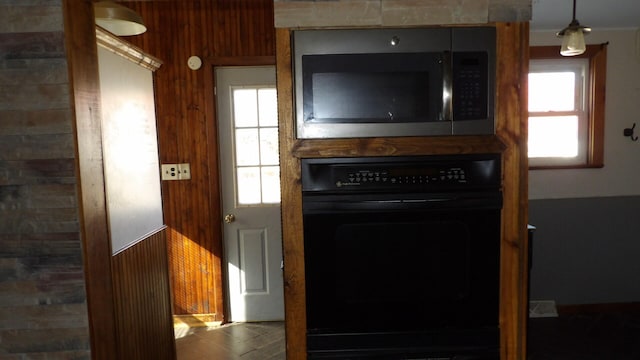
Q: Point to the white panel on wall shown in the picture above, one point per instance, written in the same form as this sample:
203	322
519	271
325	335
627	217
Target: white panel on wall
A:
130	147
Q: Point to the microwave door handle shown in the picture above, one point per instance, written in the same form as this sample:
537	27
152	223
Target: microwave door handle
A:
447	86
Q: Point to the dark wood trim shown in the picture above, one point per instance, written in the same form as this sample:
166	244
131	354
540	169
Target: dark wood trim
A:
597	55
396	146
215	196
82	57
511	110
598	81
291	207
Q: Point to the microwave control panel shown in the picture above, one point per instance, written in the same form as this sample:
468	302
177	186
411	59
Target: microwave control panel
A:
470	85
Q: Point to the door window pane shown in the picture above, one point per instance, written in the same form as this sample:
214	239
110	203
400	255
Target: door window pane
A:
247	147
248	185
256	145
245	108
271	184
269	146
268	107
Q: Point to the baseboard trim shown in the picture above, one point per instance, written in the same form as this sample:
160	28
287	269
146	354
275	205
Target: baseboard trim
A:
598	308
196	320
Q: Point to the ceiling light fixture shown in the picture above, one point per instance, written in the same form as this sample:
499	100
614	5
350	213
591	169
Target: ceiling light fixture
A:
118	19
573	36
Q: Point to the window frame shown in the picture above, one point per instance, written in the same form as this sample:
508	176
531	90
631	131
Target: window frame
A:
595	101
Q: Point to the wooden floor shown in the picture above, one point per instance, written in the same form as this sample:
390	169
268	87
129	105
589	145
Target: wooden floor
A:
244	341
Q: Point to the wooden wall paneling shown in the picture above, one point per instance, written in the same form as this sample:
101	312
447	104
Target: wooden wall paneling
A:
82	58
222	31
140	269
182	138
142	302
511	110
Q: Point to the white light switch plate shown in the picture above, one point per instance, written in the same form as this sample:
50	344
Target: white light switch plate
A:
184	171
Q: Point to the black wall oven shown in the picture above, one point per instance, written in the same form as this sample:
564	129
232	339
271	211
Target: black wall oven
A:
402	257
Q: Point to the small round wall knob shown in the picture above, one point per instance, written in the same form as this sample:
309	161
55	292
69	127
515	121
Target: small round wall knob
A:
229	218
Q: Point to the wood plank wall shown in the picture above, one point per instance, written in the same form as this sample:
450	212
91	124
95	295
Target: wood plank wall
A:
144	324
220	32
43	306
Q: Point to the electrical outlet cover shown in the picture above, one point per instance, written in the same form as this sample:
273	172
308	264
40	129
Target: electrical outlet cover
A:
169	171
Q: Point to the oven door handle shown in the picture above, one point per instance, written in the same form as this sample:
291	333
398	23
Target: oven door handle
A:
431	203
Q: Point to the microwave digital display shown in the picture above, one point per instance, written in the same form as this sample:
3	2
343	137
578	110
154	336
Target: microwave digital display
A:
394	82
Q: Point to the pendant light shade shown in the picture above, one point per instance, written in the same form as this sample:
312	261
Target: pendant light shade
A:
573	37
118	19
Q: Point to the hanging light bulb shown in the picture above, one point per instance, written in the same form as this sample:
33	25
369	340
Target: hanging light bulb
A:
573	37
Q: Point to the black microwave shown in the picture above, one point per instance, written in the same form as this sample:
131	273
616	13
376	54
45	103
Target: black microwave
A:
352	83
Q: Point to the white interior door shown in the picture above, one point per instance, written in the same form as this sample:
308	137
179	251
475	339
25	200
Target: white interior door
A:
250	180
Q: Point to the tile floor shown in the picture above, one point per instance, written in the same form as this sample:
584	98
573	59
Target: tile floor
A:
241	341
590	336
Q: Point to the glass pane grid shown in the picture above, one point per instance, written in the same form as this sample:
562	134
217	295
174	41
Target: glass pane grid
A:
555	111
256	146
553	136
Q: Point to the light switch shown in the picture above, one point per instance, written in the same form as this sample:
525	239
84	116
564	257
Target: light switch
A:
184	171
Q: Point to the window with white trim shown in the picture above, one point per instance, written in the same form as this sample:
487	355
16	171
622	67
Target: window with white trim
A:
566	108
558	118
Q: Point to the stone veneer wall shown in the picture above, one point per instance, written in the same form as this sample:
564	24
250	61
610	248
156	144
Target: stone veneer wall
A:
43	311
372	13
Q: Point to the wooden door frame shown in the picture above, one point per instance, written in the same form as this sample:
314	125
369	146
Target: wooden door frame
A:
82	58
215	199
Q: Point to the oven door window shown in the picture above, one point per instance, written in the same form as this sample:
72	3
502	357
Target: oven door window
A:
372	88
402	270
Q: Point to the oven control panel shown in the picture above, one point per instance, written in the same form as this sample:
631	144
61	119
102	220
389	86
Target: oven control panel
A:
393	177
420	173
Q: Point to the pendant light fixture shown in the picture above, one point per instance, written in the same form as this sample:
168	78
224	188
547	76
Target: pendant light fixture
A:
118	19
573	36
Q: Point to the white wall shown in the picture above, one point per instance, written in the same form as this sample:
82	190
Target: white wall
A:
621	173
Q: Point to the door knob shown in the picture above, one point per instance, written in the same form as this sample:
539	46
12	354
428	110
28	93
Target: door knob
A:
229	218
